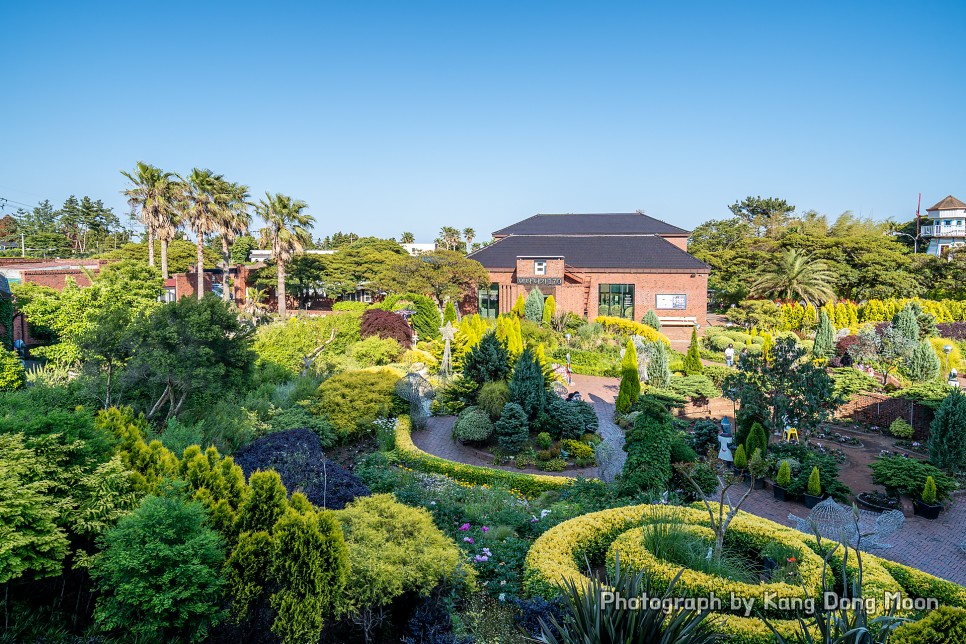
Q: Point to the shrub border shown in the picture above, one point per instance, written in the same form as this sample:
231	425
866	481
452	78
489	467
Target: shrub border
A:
529	485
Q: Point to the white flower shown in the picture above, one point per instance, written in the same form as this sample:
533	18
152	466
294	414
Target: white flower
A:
502	597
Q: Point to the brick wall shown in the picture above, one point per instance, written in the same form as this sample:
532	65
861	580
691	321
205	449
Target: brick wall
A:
681	242
881	410
56	279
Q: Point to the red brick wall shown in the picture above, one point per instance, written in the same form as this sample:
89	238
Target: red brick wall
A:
55	279
681	242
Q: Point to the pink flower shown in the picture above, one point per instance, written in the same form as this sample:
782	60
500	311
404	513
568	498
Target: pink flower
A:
468	539
485	529
465	527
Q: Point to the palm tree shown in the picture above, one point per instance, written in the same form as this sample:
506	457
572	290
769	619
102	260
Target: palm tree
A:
204	198
153	191
284	233
168	223
794	275
407	238
231	221
469	233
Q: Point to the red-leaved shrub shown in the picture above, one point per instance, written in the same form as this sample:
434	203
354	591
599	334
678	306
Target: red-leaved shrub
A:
386	324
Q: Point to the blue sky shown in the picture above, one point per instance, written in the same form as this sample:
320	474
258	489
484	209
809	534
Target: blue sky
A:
398	116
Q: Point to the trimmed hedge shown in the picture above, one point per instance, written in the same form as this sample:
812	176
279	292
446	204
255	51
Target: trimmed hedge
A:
529	485
629	327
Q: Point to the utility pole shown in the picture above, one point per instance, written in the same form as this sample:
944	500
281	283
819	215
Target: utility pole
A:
23	246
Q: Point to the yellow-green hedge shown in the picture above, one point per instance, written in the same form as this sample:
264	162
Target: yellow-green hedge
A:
529	485
630	327
559	554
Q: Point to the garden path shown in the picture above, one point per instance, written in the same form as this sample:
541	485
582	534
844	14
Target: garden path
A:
601	393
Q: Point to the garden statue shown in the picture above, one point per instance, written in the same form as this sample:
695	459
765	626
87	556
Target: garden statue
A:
724	451
446	366
417	391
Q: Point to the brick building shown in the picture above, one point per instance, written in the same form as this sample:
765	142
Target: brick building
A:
618	264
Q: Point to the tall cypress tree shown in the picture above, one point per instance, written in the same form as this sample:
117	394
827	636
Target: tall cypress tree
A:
947	440
449	313
659	371
630	388
824	346
923	364
549	309
533	308
527	387
906	323
692	361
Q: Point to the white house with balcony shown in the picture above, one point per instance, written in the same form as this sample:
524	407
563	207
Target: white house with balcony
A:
945	225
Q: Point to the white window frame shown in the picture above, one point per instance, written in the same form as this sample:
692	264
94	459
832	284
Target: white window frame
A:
539	267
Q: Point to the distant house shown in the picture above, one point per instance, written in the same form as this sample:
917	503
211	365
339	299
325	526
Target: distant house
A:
945	225
617	264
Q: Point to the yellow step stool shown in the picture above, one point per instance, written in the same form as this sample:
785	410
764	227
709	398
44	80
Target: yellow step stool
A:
789	434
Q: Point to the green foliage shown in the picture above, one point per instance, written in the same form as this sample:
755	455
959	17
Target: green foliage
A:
906	324
487	361
901	429
30	540
449	313
648	447
566	419
929	491
511	429
650	319
440	273
533	306
909	476
757	439
472	426
692	360
944	625
159	573
849	381
824	346
815	483
264	505
549	310
12	373
947	440
930	394
353	400
492	397
784	476
374	352
393	550
923	364
544	441
519	307
293	342
659	370
426	320
527	385
694	387
241	249
630	387
741	458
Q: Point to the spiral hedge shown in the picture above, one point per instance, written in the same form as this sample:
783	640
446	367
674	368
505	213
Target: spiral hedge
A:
561	552
529	485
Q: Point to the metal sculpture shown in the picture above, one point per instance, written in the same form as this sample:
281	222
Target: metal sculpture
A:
857	528
417	391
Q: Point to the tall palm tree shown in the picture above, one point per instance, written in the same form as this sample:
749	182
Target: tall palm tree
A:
169	221
204	193
284	233
231	221
794	275
152	191
470	234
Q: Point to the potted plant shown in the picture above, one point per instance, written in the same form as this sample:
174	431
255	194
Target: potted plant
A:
814	491
927	506
784	477
741	461
758	469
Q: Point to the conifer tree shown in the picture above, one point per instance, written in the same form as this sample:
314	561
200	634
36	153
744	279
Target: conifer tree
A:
533	307
923	364
266	503
648	447
824	346
650	319
519	307
947	440
659	370
511	429
692	361
630	388
757	439
527	386
449	313
488	361
906	324
549	309
766	347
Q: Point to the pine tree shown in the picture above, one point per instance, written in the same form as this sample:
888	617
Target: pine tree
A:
449	313
906	323
549	309
630	388
824	346
527	386
488	361
659	371
519	307
947	440
923	364
692	361
511	429
533	307
650	319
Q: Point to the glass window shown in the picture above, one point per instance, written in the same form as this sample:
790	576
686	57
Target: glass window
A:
540	268
616	300
489	302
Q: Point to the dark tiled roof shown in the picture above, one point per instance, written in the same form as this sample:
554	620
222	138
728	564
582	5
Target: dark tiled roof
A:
949	203
647	252
631	223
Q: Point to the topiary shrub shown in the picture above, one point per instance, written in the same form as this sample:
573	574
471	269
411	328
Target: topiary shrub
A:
533	306
578	450
929	491
648	447
741	458
901	429
757	439
941	626
354	399
472	426
681	450
299	459
511	429
565	420
492	397
544	441
449	313
784	476
386	324
814	483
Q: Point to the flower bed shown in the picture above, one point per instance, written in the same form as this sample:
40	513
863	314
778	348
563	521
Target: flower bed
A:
527	484
560	553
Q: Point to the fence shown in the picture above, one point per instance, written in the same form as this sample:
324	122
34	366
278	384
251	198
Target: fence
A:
881	410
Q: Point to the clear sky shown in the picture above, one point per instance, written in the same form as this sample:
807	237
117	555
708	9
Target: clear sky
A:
399	116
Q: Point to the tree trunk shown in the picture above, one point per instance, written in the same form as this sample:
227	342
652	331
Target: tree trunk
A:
226	258
201	266
164	259
280	293
150	245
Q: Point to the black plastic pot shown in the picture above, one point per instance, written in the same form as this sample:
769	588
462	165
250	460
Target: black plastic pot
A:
759	484
769	564
780	493
927	510
811	501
